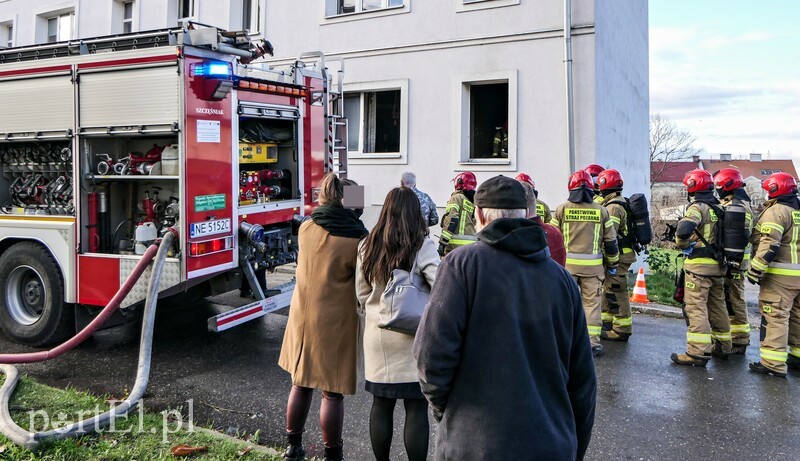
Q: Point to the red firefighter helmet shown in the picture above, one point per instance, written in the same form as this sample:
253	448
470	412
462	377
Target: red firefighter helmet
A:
728	179
524	177
778	184
609	179
594	170
698	181
580	179
465	181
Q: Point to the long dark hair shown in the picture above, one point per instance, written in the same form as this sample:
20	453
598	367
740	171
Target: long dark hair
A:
397	237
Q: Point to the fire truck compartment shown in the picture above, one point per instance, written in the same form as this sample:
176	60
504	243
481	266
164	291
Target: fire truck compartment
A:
268	161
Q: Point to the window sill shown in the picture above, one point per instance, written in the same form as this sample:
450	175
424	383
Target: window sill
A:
377	159
357	156
462	7
347	17
486	161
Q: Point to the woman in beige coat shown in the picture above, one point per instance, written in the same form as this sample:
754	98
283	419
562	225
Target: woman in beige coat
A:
319	346
398	241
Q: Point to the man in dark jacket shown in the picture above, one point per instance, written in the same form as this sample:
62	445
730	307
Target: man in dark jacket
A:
502	350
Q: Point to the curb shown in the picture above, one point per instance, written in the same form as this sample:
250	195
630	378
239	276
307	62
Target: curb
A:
660	310
238	441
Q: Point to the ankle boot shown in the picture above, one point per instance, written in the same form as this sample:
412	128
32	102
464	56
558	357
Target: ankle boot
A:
334	454
294	450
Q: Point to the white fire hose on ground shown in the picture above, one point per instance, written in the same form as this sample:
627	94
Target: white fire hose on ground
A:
31	440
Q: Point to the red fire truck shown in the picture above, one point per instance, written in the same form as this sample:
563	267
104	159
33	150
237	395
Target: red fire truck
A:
107	143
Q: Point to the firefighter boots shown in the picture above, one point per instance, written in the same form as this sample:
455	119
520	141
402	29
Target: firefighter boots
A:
597	350
718	352
685	359
757	367
793	363
739	350
611	335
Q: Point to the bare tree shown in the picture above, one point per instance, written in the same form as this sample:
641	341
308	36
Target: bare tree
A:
668	143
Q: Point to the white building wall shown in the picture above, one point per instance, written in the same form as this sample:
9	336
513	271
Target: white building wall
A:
434	48
429	48
622	91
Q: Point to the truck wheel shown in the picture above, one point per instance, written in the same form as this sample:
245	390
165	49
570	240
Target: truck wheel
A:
32	309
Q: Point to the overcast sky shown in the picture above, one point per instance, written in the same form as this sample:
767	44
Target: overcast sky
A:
729	72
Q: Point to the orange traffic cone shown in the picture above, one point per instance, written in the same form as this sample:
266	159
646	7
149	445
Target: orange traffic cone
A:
640	289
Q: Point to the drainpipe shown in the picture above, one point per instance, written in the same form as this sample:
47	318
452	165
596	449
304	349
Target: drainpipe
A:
568	75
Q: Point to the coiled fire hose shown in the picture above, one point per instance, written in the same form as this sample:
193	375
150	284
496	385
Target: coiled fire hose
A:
31	440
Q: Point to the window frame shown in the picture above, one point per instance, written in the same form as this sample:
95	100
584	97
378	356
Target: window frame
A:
57	17
128	21
255	16
462	6
359	156
463	101
9	31
192	9
384	10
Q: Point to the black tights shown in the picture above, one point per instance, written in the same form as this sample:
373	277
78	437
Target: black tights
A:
331	416
415	432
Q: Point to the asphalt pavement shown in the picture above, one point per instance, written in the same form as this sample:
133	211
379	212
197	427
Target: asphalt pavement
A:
648	408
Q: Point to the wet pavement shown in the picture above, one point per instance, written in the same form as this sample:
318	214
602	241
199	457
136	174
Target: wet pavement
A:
648	408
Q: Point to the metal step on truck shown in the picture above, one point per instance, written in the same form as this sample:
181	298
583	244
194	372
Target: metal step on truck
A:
107	143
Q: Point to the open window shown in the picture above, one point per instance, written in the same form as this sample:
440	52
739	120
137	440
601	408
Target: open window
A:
488	119
377	117
56	27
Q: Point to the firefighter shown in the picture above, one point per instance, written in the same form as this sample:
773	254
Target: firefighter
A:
615	305
591	245
458	222
500	141
709	329
541	208
594	170
734	199
775	266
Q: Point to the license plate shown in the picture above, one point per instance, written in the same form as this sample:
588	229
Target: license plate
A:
202	229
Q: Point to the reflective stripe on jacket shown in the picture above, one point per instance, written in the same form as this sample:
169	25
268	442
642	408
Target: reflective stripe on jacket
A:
617	213
589	238
699	218
775	242
464	234
543	211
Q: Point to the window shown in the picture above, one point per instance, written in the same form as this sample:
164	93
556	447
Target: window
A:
251	15
59	28
487	108
185	9
377	121
374	121
127	17
337	7
7	34
769	172
488	120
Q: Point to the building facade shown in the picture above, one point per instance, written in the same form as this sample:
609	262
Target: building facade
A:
430	85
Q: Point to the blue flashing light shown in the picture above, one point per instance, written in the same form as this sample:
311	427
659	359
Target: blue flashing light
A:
212	69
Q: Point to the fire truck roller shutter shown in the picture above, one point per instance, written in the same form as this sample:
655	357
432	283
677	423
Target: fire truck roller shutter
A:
32	308
35	104
124	97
